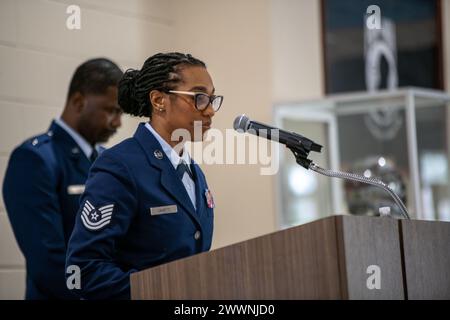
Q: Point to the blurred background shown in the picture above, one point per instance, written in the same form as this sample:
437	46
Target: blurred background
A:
376	99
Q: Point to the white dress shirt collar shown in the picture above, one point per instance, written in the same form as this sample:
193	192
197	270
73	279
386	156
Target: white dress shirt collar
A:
82	143
173	156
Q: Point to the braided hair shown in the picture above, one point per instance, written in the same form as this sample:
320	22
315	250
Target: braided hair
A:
159	72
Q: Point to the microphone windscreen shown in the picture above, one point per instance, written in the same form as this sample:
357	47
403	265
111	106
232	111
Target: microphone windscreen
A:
241	122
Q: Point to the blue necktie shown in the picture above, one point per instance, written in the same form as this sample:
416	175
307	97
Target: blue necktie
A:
182	168
94	155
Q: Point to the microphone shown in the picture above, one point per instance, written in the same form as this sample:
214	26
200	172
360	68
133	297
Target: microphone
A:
292	140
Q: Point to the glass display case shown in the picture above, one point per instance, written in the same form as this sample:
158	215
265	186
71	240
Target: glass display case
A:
399	137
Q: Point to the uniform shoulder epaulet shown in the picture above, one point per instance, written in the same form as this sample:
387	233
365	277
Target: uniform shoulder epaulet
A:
40	140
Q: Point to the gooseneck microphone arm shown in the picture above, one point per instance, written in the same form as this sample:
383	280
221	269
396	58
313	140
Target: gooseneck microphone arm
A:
362	179
301	146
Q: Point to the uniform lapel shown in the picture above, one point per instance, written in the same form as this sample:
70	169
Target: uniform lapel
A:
81	162
70	148
169	178
199	185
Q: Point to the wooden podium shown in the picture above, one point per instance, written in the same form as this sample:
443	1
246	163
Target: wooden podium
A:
339	257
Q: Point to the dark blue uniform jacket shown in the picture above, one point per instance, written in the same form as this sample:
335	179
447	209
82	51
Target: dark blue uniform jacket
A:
42	187
135	214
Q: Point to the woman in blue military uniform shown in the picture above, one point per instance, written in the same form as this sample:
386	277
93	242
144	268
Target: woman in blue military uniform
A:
146	203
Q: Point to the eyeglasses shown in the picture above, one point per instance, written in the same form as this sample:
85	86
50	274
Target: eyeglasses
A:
202	100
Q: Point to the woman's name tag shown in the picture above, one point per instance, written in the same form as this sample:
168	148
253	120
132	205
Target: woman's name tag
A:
163	210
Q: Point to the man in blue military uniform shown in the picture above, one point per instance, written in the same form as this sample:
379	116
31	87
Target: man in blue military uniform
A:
46	176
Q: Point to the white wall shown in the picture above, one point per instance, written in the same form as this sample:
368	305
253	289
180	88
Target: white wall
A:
296	50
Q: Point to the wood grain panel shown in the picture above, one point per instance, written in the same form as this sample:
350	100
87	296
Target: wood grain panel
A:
297	263
427	259
371	241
